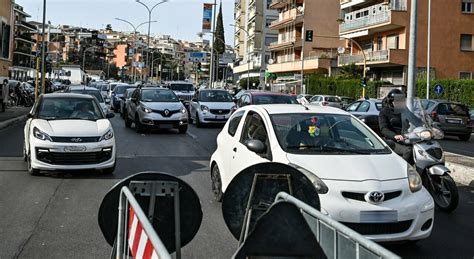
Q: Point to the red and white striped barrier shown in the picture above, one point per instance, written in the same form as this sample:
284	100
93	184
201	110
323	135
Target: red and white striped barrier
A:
138	241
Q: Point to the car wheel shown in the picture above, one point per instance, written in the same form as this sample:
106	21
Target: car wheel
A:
198	122
31	170
128	121
465	137
138	125
216	183
109	170
183	129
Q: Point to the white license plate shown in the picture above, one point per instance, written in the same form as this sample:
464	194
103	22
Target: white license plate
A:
165	126
455	121
220	117
75	149
378	216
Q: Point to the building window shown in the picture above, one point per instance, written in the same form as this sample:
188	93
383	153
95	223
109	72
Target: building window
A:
4	40
393	41
465	75
467	6
466	42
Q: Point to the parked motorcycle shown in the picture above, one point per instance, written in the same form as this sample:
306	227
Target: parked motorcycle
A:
428	155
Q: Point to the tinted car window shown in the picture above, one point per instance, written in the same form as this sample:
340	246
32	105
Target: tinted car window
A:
254	128
214	96
182	87
94	93
234	123
274	99
69	108
364	107
158	96
452	109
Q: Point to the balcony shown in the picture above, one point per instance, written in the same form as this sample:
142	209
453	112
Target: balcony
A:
25	38
380	15
310	64
392	56
277	4
26	26
275	46
285	18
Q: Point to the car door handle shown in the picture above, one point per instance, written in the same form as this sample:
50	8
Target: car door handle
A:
235	149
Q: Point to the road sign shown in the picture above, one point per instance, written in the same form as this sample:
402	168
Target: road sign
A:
438	89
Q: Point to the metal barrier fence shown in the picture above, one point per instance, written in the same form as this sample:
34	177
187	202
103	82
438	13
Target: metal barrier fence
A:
136	237
337	240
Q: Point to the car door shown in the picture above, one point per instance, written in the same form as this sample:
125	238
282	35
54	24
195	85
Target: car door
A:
27	128
134	104
253	128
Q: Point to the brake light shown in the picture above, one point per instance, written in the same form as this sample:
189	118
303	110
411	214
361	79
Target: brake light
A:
324	103
434	115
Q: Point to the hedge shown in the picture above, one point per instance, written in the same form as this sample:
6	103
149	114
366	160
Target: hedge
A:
454	90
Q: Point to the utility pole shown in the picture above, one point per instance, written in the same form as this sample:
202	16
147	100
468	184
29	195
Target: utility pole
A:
412	55
428	53
211	69
43	50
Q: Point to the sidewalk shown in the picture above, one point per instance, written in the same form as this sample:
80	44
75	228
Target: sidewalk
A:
462	168
13	115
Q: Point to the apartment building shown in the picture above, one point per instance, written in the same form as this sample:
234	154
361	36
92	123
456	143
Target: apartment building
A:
6	37
293	52
253	36
381	28
23	66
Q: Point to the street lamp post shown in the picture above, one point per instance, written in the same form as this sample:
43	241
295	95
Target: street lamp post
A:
43	50
248	53
150	11
428	53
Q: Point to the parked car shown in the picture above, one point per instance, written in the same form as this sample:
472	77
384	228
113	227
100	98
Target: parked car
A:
327	100
125	101
80	89
154	107
452	117
117	95
345	101
211	106
368	112
304	98
361	182
261	97
68	132
183	89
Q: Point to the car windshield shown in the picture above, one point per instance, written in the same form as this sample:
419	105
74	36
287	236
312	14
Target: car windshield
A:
215	96
452	109
158	96
308	133
94	93
274	99
182	87
121	89
69	109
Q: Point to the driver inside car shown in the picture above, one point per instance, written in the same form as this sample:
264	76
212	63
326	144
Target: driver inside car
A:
83	109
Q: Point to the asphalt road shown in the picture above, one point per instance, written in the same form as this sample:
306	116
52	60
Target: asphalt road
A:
55	216
454	145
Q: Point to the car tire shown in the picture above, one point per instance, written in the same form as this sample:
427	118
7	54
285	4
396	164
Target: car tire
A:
183	129
138	124
31	170
109	170
465	137
128	121
216	183
198	122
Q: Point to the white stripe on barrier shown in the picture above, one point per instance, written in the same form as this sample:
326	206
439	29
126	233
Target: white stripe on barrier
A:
141	245
132	230
154	255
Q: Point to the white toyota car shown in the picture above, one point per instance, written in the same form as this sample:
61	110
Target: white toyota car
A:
68	132
362	182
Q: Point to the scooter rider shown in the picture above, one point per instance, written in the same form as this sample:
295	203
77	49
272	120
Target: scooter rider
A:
391	126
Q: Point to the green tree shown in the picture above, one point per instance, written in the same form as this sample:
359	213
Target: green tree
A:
219	41
351	71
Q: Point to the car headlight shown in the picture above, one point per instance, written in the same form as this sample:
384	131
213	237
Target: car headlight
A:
108	135
204	108
414	179
41	135
183	110
146	109
425	135
320	186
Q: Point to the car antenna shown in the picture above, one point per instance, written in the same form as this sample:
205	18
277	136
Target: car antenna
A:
305	107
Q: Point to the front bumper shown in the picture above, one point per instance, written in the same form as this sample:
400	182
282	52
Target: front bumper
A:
156	120
46	155
210	118
412	212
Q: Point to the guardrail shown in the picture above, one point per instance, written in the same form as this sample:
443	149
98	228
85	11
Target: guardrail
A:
337	240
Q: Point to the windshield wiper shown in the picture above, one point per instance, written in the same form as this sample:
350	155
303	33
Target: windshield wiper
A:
328	149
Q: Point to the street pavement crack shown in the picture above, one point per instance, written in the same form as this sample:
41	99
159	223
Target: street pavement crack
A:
27	240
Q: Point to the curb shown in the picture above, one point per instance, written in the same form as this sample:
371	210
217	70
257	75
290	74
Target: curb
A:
461	173
10	122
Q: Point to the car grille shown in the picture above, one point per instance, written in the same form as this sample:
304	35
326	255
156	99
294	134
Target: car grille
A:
219	112
171	112
360	196
379	228
86	158
435	152
75	139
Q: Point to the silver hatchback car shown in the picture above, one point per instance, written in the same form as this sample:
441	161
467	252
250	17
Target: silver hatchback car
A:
157	108
327	100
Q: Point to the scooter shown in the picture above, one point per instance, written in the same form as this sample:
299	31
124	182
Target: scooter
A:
429	157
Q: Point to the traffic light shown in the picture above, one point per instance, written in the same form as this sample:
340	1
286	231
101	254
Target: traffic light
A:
309	36
364	82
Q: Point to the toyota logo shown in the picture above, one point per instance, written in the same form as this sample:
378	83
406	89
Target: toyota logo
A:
374	197
167	112
76	140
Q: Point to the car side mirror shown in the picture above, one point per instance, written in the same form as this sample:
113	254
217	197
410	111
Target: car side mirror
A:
256	146
390	143
29	115
109	115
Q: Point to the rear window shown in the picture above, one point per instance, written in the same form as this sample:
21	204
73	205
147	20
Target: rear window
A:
94	93
182	87
274	99
333	99
452	109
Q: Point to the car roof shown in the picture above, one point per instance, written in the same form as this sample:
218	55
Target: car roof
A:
79	87
296	108
261	93
67	95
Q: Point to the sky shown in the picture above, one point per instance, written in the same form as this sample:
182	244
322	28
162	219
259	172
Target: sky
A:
179	18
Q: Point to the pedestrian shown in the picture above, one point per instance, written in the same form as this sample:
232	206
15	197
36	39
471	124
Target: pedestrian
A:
4	91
